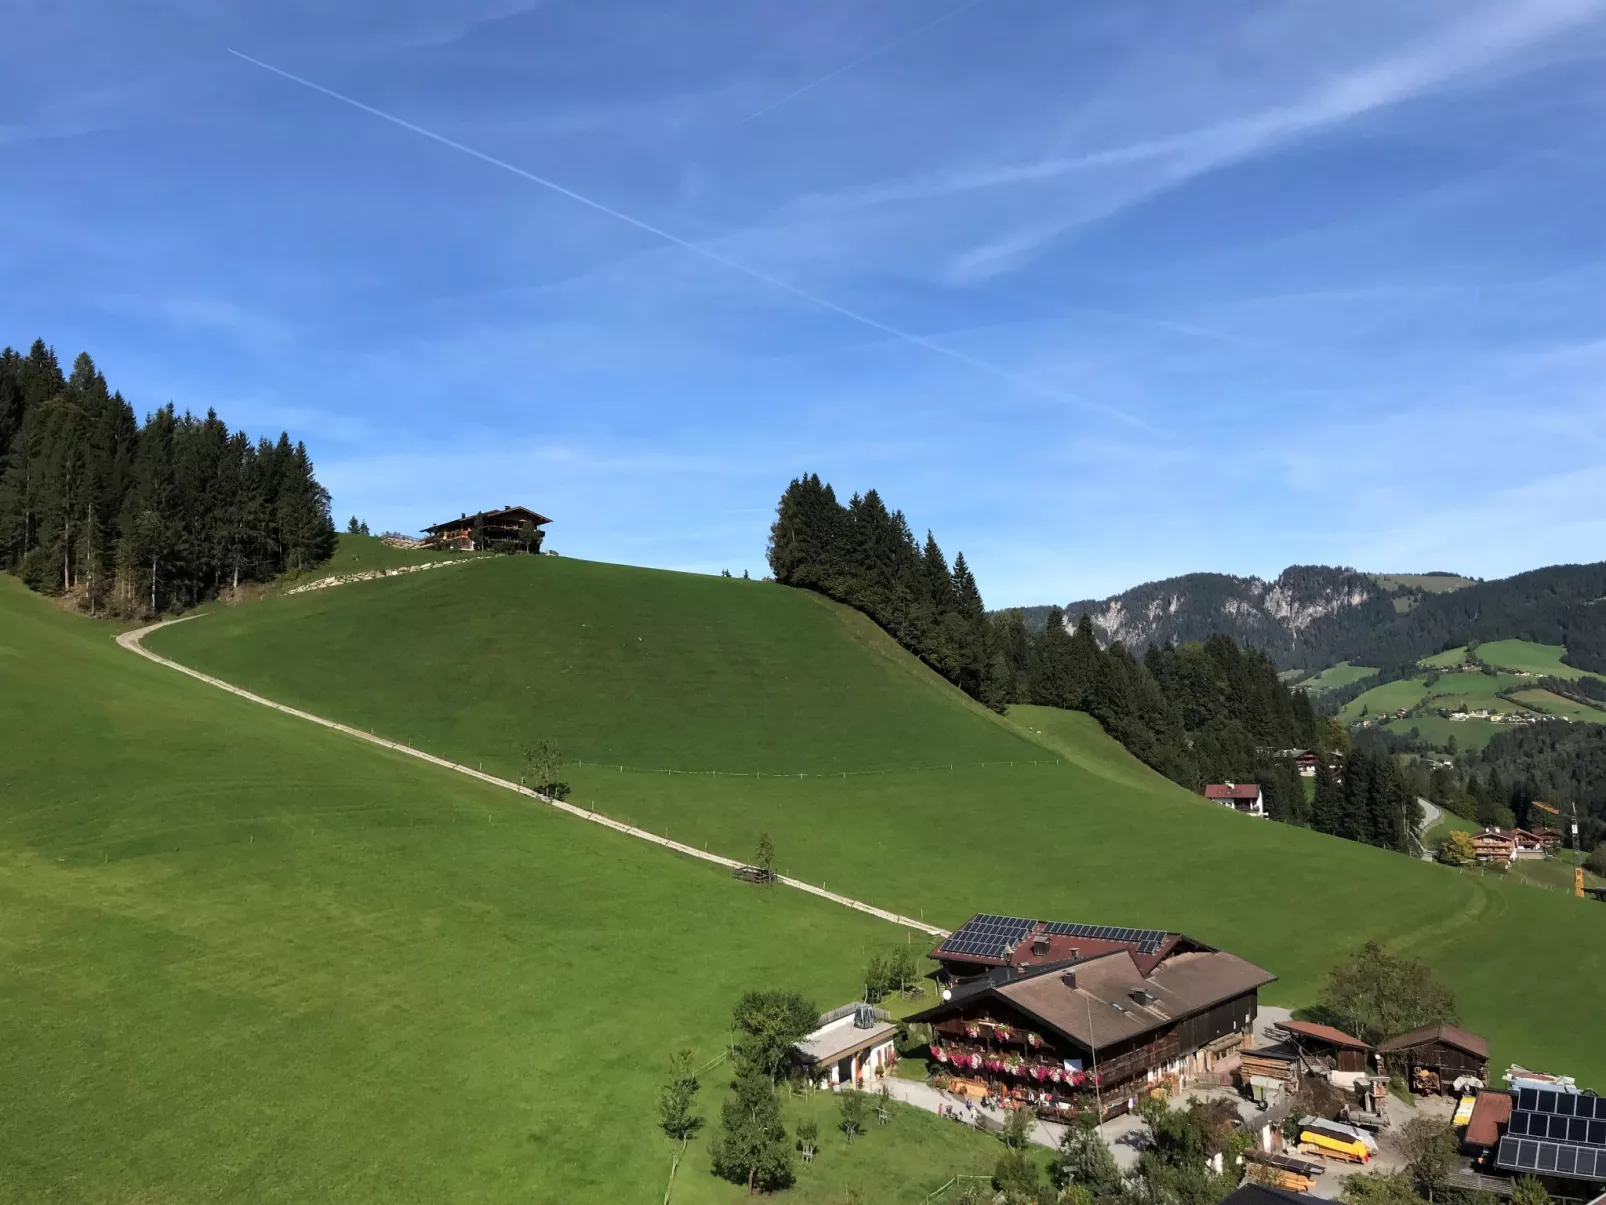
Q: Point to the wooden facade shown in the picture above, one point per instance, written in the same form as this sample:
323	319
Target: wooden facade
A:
1040	1037
1447	1050
511	525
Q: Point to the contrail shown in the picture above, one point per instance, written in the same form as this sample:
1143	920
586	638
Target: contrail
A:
814	299
863	59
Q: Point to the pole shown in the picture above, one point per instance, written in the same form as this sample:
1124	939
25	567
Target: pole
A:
1093	1050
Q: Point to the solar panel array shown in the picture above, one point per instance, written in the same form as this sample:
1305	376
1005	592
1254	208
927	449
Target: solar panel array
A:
1148	941
987	936
1556	1133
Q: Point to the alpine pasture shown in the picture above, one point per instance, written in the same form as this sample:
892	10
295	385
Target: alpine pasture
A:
716	709
247	958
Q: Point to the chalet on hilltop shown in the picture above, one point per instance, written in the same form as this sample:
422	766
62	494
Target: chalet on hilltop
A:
1245	797
509	527
1042	1012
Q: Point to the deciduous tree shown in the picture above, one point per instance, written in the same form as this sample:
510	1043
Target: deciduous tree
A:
1378	994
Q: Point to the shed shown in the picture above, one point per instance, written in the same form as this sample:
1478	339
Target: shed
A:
1489	1117
850	1042
1344	1052
1444	1049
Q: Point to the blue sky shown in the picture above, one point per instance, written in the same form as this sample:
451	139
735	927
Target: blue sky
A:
1100	292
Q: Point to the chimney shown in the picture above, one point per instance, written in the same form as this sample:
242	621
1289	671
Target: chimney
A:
1141	995
1040	947
1068	978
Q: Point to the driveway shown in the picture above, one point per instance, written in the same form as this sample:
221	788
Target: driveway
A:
1431	815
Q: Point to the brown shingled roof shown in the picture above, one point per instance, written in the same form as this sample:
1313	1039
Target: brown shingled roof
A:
1324	1033
1491	1112
1101	1010
1443	1031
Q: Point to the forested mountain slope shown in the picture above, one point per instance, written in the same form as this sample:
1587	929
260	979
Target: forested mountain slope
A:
1313	616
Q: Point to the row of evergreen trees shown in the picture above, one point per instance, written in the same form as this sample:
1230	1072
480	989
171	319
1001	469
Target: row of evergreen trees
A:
1198	713
1369	801
137	519
862	555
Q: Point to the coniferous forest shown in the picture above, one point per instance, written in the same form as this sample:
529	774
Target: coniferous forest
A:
1198	713
132	519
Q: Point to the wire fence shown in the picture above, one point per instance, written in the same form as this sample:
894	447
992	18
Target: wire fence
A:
942	766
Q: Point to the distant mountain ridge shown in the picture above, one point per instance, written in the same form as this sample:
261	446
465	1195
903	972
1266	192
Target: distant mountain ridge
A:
1311	616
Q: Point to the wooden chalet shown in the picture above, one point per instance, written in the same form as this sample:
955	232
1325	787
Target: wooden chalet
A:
1051	1032
1549	838
1339	1051
1444	1050
511	525
1306	763
1508	845
1242	797
1493	845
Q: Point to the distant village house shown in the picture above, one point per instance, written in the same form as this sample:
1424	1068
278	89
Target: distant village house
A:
1242	797
511	527
1508	845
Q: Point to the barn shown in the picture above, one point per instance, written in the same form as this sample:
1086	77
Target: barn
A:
1435	1055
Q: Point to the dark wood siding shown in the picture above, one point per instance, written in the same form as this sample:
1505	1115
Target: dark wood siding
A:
1230	1016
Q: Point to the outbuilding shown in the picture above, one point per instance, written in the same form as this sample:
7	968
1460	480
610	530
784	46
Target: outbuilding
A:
851	1044
1345	1055
1435	1055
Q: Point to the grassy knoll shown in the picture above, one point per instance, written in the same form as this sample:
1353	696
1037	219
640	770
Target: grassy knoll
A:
1474	692
360	554
1528	657
1448	659
247	959
1560	706
1335	676
617	665
1404	692
675	671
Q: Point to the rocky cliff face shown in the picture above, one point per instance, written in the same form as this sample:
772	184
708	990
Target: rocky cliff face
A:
1278	616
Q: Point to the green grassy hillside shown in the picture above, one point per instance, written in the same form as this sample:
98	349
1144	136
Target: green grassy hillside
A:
1527	657
362	554
1342	674
900	791
249	959
618	665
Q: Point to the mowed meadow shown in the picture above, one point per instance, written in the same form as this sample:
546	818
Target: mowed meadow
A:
247	958
779	712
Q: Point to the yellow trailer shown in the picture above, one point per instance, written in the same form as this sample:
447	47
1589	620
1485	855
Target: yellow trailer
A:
1333	1148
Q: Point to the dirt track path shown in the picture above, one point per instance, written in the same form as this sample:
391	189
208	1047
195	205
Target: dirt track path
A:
132	642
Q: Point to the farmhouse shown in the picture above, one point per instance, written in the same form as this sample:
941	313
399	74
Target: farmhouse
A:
1493	845
1550	838
1306	764
851	1043
512	525
1150	1007
1507	845
1434	1055
1242	797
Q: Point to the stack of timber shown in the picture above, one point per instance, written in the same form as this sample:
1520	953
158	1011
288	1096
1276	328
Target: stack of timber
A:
1276	1177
